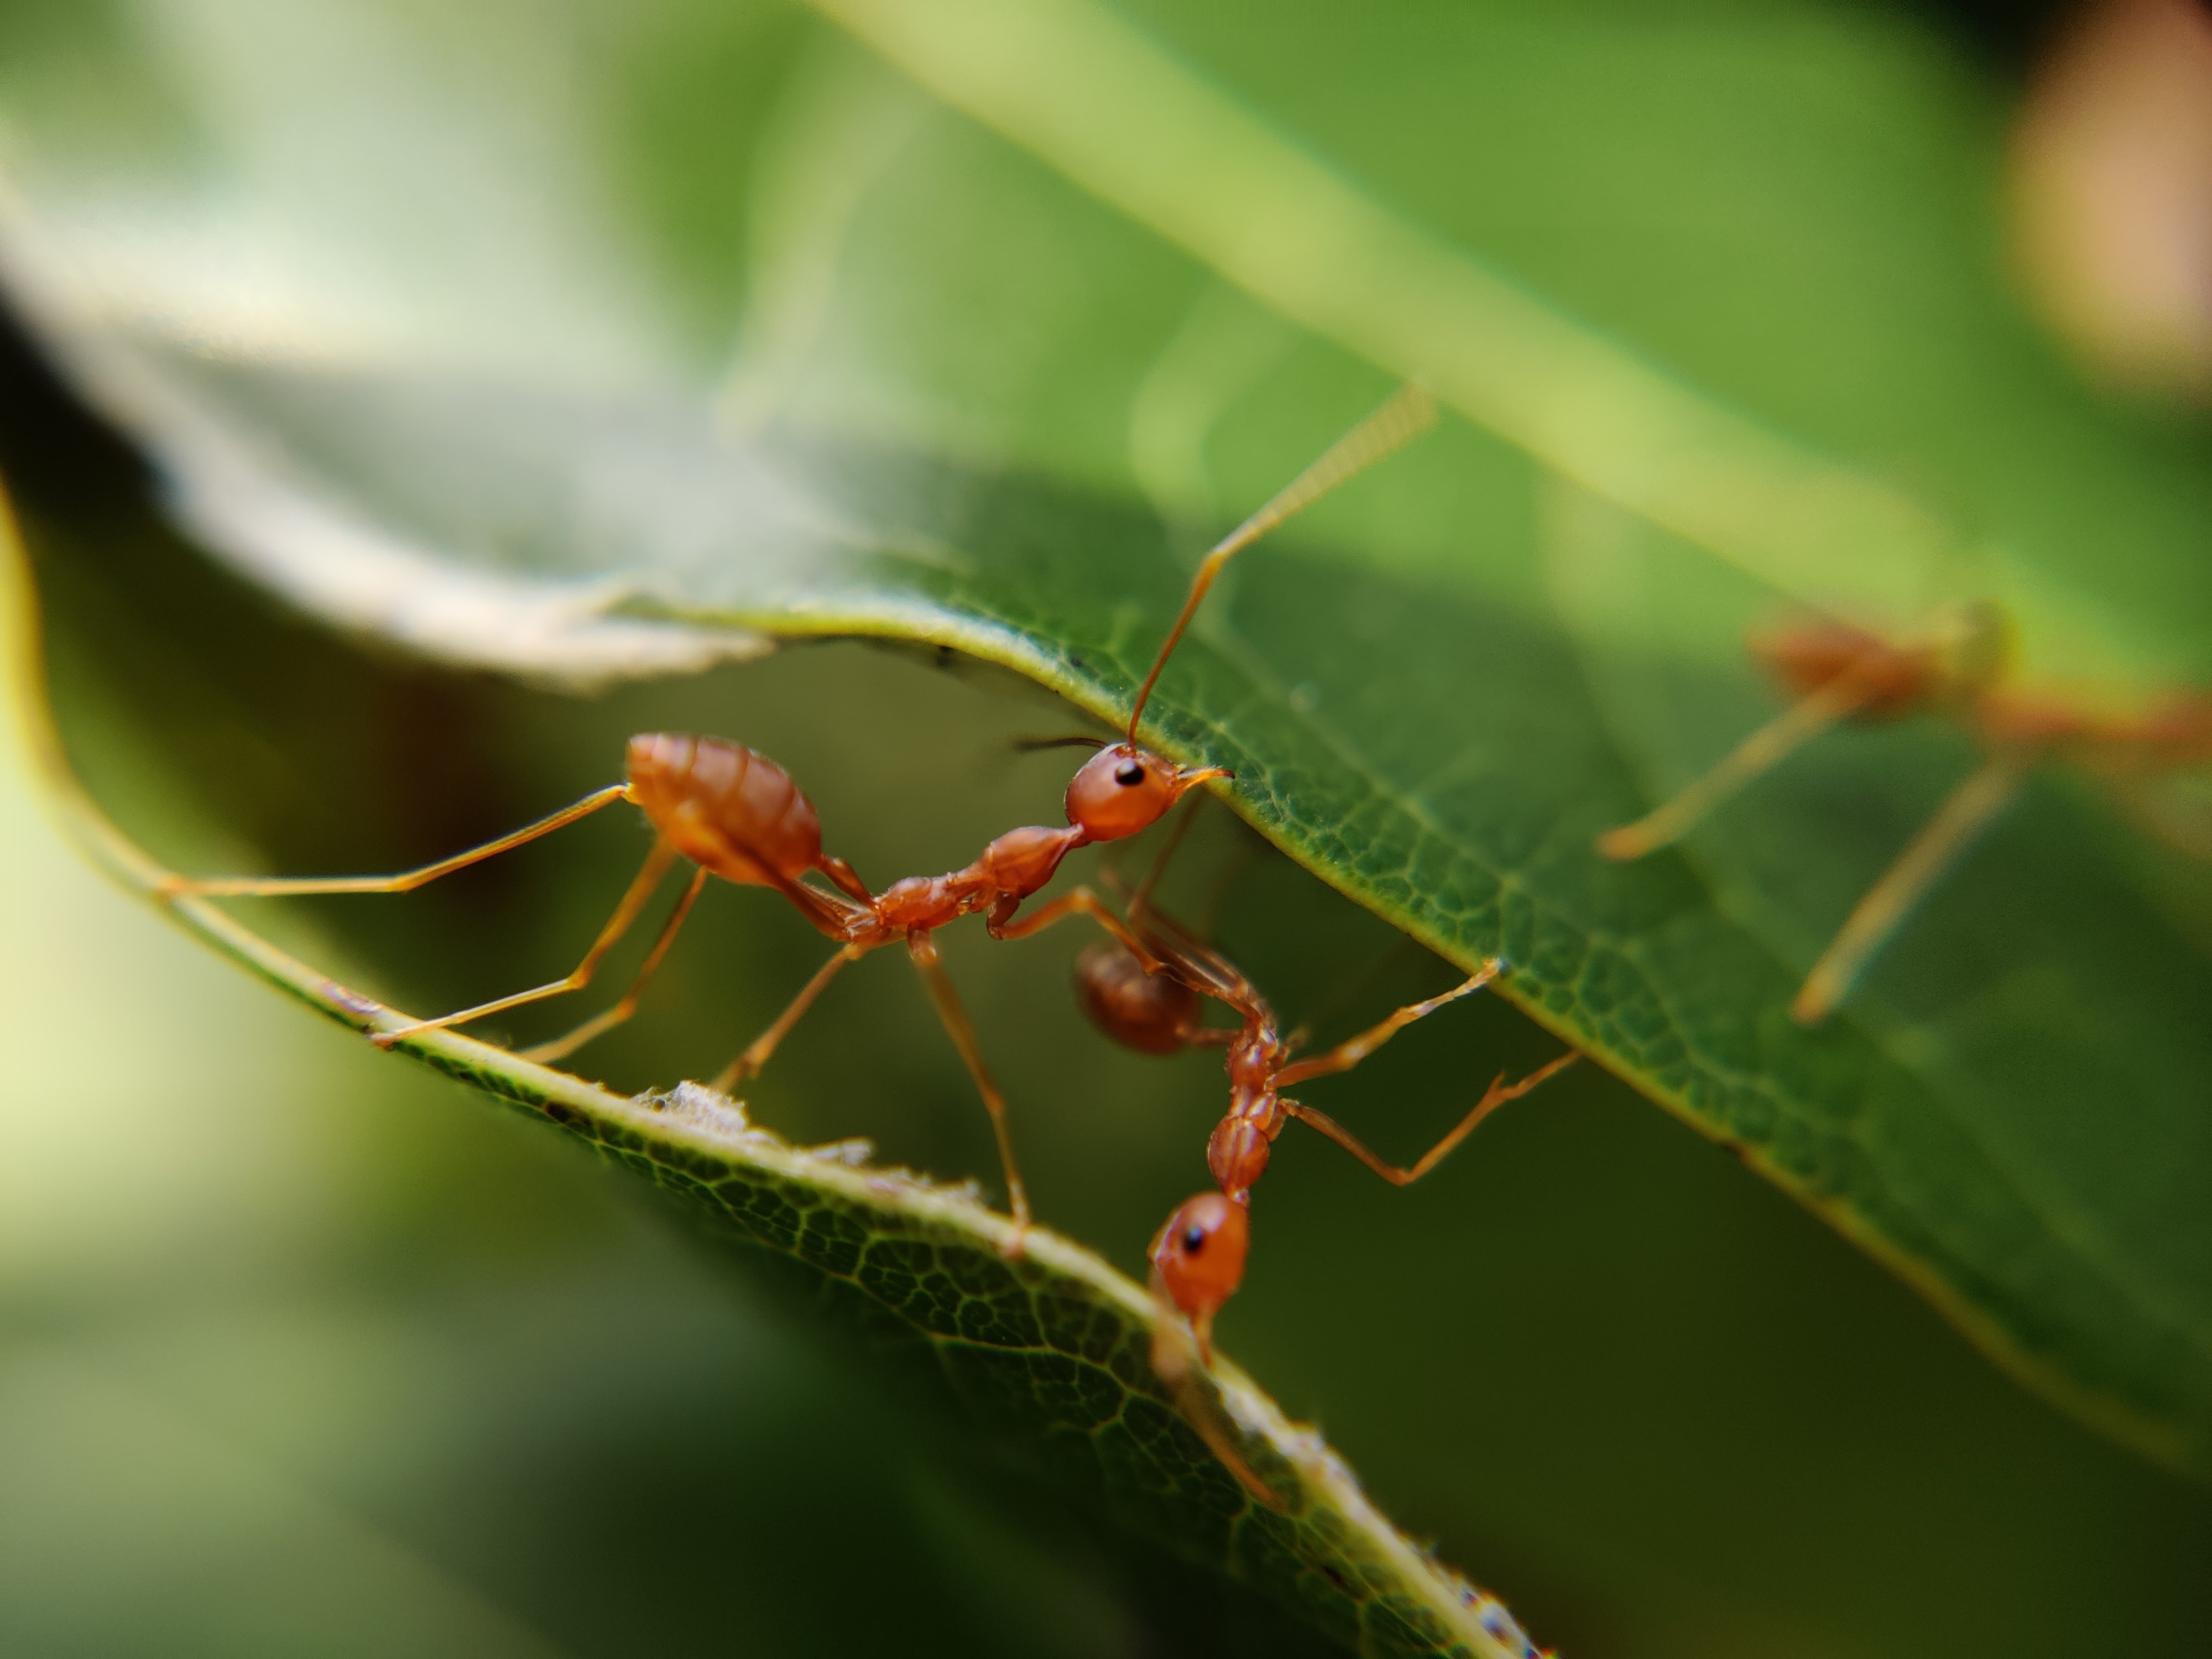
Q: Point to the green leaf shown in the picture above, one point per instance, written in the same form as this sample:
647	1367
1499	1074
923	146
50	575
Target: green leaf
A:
1051	1348
463	380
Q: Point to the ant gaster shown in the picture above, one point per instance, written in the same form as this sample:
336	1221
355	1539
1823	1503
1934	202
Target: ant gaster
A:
1959	666
732	812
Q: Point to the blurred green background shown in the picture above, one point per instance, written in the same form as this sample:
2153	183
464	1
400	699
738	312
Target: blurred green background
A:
305	1352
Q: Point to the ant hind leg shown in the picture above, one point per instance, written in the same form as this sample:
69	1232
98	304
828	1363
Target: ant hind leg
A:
405	882
561	1046
656	863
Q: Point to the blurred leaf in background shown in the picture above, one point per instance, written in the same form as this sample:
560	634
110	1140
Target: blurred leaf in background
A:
494	336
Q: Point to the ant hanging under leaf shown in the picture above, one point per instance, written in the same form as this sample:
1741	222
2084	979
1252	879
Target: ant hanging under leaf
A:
1148	998
1957	667
1152	1003
732	812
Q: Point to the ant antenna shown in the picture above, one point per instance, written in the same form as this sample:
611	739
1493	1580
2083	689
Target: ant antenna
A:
1406	414
1077	740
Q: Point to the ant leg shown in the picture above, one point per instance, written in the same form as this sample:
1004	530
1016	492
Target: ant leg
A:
1796	724
1348	1055
560	1047
757	1053
640	890
1087	902
1495	1095
405	882
923	950
1974	806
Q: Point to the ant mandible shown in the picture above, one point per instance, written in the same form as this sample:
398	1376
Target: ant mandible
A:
1958	667
732	812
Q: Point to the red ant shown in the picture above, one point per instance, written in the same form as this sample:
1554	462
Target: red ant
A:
732	812
1198	1256
1840	672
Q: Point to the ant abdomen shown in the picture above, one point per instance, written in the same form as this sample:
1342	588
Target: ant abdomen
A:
724	806
1154	1013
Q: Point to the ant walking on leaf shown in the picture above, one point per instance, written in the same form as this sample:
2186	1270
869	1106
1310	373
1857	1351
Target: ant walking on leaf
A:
730	811
1957	667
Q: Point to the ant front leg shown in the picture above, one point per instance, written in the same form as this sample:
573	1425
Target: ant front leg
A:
1492	1097
656	863
1082	901
1348	1055
923	950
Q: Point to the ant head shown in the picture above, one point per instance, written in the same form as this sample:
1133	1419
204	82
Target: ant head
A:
1199	1257
1122	789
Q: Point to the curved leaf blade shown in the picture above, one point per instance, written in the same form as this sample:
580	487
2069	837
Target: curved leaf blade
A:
1051	1347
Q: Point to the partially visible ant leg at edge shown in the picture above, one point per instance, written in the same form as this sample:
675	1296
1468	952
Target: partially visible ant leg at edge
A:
1960	666
730	811
1198	1257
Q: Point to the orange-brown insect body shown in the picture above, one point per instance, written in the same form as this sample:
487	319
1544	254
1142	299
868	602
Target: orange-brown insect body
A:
1197	1259
1238	1148
1154	1013
1894	681
724	806
736	812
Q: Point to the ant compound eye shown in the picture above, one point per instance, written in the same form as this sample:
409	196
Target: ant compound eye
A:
1194	1240
1129	774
